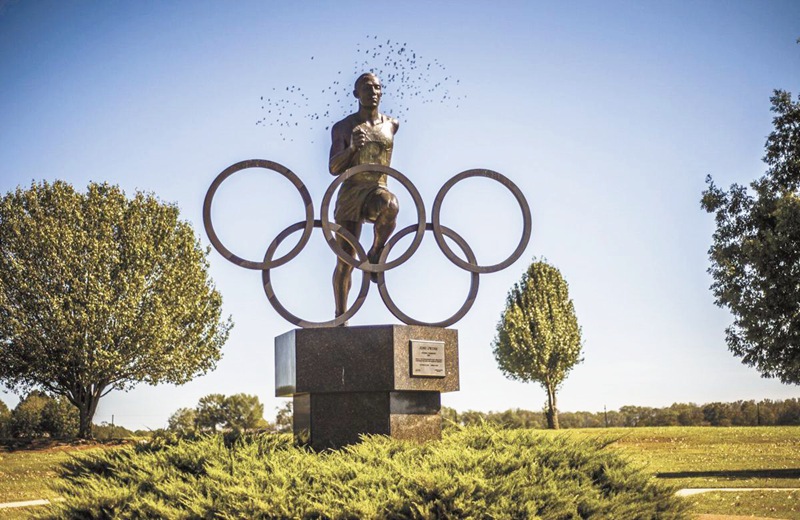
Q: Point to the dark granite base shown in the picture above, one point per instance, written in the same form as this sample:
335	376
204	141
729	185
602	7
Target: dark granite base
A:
333	420
350	381
418	428
359	359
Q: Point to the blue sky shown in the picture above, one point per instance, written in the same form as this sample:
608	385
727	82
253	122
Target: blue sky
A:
607	115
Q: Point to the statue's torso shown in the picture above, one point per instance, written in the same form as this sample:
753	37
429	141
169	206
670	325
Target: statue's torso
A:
377	150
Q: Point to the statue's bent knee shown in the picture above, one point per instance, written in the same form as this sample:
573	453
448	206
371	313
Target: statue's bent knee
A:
391	206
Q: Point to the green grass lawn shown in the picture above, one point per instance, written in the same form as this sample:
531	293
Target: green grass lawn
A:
695	457
770	504
706	457
25	474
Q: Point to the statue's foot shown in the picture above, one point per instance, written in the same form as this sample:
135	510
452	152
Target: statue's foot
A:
345	324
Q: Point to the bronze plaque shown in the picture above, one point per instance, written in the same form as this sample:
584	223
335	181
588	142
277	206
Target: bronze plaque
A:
427	358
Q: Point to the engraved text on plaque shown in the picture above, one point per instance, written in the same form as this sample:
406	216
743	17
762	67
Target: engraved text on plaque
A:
427	358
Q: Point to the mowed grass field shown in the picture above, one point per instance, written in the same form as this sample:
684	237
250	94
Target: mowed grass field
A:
707	457
695	457
26	474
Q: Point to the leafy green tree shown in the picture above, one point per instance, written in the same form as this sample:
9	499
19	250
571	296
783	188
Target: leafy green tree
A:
238	412
100	292
26	419
634	415
244	412
688	414
449	416
5	421
183	421
210	412
538	337
718	414
767	415
283	420
59	418
39	414
473	418
789	412
756	253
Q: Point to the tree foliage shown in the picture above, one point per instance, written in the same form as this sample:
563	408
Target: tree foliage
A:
5	421
238	412
183	421
244	412
210	412
101	292
284	418
26	420
39	415
59	418
755	255
538	337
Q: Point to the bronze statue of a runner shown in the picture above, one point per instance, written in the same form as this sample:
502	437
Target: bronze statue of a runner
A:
365	137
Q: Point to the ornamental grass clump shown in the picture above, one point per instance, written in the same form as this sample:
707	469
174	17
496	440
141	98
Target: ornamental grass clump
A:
475	472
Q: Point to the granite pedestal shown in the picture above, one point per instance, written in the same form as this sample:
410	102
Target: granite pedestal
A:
382	379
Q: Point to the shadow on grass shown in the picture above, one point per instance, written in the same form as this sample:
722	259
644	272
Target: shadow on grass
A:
742	474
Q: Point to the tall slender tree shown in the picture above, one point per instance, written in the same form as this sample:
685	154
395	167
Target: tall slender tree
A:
101	292
538	337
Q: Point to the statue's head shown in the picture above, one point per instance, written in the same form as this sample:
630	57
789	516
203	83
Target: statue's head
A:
368	90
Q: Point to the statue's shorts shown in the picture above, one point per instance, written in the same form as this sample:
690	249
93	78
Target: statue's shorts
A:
353	198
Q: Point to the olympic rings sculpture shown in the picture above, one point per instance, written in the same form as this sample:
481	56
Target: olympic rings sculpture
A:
360	261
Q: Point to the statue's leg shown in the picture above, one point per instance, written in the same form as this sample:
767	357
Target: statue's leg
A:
342	275
381	209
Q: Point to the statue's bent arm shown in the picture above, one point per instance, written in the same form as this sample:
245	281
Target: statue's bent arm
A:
341	149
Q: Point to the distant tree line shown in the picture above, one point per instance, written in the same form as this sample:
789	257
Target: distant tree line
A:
739	413
39	415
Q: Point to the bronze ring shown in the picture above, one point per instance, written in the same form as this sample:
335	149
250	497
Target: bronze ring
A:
269	165
438	233
341	253
288	316
473	286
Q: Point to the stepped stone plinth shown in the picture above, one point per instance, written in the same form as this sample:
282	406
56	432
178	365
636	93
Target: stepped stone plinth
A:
350	381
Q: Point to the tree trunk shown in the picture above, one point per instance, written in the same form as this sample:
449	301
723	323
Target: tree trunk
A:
87	405
552	410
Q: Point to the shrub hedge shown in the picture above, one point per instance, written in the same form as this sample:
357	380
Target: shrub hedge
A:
474	472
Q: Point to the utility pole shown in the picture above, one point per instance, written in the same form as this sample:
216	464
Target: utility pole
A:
605	414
